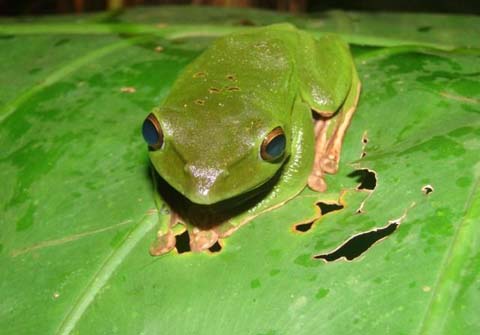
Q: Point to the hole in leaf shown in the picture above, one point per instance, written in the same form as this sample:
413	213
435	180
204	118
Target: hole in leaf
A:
216	247
366	178
364	144
360	208
182	243
324	209
427	189
358	244
327	208
303	227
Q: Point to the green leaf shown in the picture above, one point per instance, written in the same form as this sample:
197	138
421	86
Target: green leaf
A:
77	210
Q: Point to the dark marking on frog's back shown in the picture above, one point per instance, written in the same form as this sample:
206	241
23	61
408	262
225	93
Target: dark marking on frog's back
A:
199	74
214	90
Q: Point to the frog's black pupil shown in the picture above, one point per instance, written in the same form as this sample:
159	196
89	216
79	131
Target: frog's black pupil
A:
276	147
150	133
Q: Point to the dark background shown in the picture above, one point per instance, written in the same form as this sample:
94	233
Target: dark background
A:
42	7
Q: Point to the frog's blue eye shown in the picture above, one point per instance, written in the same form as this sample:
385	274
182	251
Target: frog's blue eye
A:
152	132
274	144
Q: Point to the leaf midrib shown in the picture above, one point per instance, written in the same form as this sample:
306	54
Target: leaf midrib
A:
105	272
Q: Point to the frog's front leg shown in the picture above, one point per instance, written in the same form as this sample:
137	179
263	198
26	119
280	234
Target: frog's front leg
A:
329	135
165	240
170	223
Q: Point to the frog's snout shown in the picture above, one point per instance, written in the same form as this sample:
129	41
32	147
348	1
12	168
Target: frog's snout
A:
201	181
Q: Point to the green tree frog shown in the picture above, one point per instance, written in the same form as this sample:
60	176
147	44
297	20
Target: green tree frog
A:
254	119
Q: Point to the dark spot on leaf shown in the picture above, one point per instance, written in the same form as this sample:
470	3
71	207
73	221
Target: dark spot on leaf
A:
305	260
215	248
34	70
364	138
427	189
321	293
464	181
231	77
255	283
324	210
182	243
61	42
246	22
233	88
424	29
366	178
200	102
27	219
358	244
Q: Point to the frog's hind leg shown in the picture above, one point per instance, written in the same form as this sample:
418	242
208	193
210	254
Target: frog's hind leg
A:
328	143
329	85
315	180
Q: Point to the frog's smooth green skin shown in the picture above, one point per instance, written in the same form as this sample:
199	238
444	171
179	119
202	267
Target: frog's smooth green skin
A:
225	103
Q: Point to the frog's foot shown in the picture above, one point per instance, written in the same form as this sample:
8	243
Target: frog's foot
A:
201	240
170	226
163	244
316	182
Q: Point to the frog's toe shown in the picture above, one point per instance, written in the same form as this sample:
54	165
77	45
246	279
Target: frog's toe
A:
317	183
201	240
329	164
163	244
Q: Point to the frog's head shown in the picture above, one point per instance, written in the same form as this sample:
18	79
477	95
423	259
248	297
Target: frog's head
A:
209	159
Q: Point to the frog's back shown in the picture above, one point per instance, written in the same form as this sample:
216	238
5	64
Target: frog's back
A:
247	70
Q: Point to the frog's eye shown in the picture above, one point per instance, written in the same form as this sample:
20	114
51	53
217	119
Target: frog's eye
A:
152	132
273	146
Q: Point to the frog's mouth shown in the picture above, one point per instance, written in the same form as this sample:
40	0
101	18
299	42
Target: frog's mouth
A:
208	215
